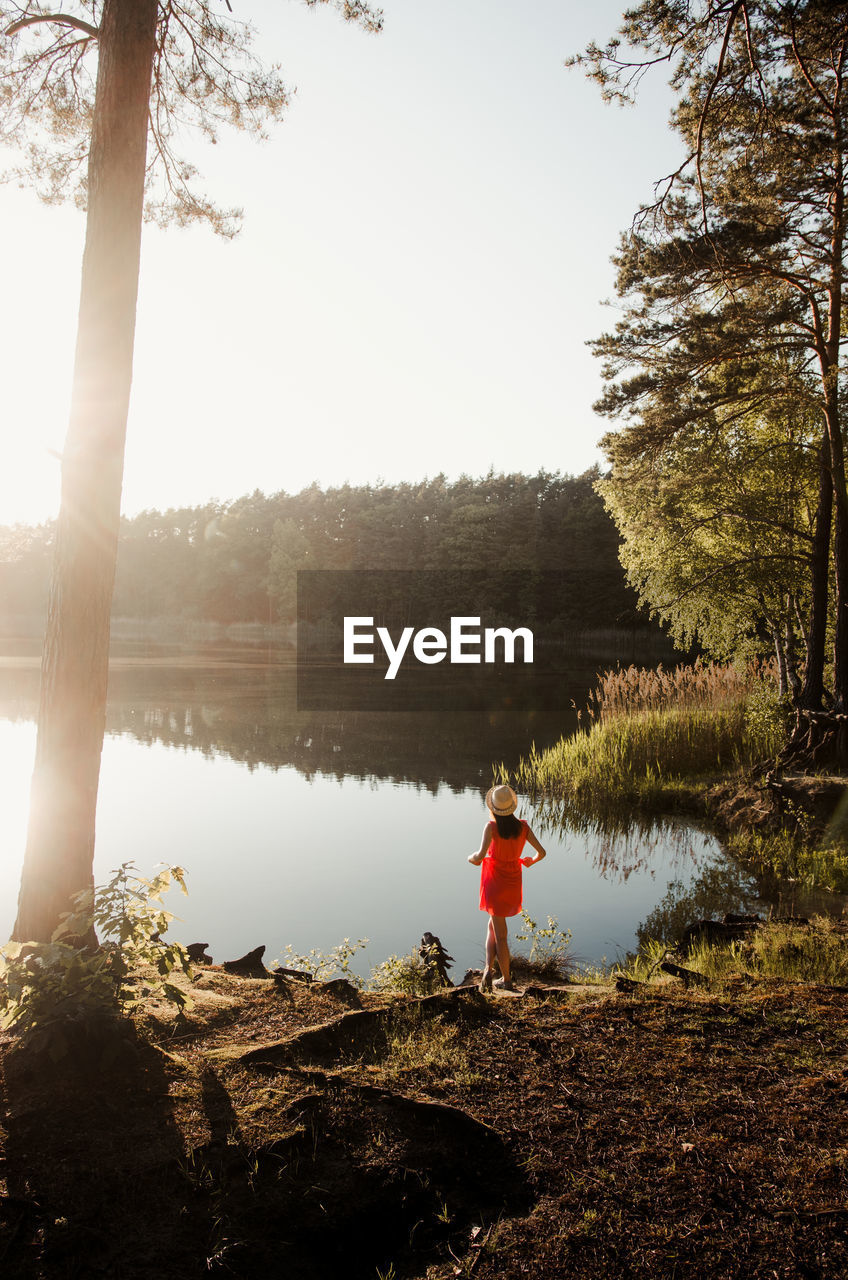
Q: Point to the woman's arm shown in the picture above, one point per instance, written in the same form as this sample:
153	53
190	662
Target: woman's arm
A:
476	858
540	852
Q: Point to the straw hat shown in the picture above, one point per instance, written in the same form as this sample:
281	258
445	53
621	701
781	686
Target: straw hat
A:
501	801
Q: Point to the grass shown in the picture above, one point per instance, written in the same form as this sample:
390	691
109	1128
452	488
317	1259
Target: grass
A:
630	690
430	1050
637	759
787	952
648	735
793	857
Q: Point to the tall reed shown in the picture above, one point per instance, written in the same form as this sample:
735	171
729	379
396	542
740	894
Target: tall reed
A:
646	730
703	684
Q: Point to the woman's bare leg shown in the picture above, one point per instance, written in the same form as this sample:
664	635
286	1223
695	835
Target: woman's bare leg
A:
491	947
498	929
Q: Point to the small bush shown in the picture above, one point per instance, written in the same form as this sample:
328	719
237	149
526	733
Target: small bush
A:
550	958
817	952
767	717
324	965
57	996
411	975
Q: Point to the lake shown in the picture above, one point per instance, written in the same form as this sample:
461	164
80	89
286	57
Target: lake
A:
305	828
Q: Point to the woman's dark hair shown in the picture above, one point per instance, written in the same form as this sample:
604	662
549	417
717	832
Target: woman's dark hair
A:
508	825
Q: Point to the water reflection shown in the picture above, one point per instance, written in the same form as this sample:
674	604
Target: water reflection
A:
248	712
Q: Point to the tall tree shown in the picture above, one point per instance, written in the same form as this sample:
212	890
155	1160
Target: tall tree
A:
160	64
741	258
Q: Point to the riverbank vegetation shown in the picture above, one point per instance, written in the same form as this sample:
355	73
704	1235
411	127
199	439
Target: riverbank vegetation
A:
697	739
724	372
646	731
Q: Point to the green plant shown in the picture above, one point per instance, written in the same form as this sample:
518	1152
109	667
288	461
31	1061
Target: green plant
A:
409	974
53	992
324	965
814	952
766	718
794	856
550	948
431	1048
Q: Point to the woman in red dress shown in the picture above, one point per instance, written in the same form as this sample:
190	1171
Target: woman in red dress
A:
500	876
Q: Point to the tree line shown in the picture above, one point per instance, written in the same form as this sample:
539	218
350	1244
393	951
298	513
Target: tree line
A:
237	561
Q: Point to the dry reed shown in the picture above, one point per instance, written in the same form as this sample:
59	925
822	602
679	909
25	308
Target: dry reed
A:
710	685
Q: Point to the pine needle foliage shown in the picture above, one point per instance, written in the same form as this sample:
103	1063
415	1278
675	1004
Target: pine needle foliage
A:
206	76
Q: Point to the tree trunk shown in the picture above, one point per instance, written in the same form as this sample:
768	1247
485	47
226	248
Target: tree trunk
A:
840	556
780	655
790	651
813	690
72	712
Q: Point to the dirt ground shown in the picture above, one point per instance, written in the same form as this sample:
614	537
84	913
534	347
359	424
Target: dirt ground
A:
313	1132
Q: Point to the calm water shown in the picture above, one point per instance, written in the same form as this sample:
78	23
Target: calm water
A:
306	828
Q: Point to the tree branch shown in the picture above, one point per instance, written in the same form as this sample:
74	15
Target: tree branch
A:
61	19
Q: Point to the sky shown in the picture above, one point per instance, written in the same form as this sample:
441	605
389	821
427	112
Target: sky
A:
424	255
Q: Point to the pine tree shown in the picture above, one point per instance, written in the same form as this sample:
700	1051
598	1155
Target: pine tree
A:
108	141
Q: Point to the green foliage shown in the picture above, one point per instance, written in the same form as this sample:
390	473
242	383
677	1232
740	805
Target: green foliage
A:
636	759
409	974
550	947
715	523
767	715
53	993
721	366
794	856
324	965
817	952
226	562
648	732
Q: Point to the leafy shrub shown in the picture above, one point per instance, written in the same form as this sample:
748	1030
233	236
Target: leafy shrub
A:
410	974
53	993
767	717
324	965
550	950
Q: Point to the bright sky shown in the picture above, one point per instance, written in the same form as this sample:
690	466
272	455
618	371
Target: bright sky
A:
424	255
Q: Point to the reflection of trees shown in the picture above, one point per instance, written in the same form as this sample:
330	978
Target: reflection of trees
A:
719	888
611	828
618	849
248	712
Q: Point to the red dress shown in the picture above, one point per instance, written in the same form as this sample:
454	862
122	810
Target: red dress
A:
500	875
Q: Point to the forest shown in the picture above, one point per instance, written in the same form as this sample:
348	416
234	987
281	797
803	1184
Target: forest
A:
237	561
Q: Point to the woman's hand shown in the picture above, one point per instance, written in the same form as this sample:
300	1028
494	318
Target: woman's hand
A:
540	852
475	859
